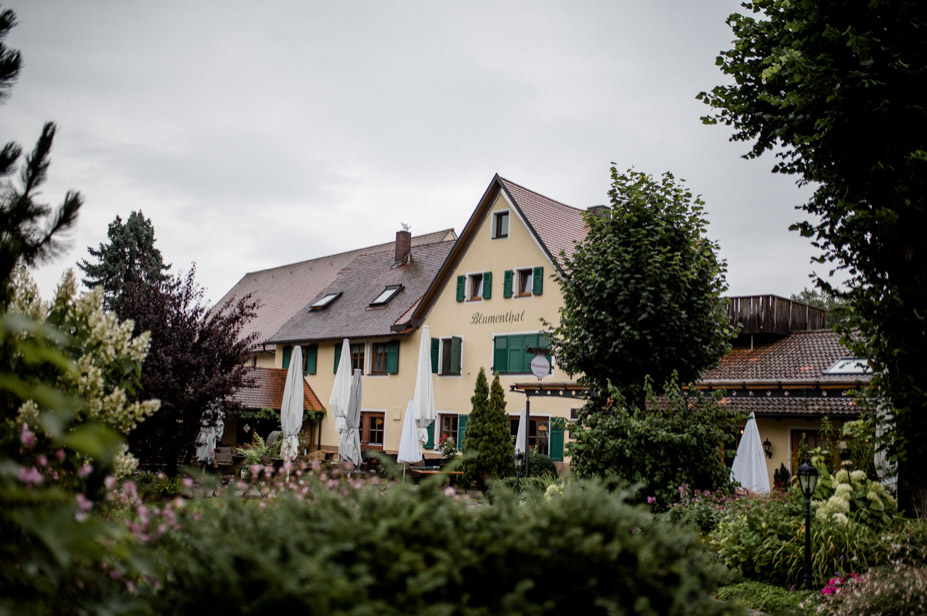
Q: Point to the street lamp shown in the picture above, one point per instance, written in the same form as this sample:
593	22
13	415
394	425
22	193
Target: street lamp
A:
808	480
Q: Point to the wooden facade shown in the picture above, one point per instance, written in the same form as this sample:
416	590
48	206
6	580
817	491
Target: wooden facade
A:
771	314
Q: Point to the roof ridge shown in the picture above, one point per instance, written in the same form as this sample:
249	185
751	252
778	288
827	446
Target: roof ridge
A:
545	197
382	247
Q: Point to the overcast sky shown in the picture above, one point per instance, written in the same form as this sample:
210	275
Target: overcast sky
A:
259	134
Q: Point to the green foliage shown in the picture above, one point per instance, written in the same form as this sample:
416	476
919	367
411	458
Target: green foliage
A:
763	538
643	294
851	495
129	258
766	598
540	465
259	449
830	88
835	305
702	510
677	441
488	448
420	551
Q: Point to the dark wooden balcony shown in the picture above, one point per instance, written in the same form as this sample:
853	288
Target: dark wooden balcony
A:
771	314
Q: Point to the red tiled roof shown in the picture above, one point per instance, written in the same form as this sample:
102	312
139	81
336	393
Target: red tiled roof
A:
282	291
267	391
559	227
799	357
365	277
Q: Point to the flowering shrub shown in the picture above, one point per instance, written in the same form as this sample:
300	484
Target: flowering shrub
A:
894	591
853	496
704	509
448	446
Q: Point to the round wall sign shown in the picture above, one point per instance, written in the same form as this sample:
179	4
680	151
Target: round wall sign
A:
540	366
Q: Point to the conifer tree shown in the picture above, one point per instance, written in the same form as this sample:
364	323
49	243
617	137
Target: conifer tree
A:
488	448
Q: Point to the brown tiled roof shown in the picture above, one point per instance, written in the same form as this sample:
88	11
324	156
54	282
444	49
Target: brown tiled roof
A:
799	357
282	291
267	391
365	277
832	406
558	226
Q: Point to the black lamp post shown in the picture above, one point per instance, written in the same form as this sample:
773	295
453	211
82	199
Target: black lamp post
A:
808	480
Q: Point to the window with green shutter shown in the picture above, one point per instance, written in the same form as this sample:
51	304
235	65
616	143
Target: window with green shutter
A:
538	281
287	351
487	285
445	355
510	353
312	356
461	430
507	283
461	288
392	357
556	441
430	443
435	349
337	356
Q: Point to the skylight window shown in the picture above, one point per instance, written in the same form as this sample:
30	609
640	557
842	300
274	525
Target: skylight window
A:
387	294
850	365
325	301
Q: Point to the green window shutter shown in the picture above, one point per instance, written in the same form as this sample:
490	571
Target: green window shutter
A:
461	430
507	283
461	287
556	444
487	285
312	356
430	443
287	351
435	345
500	356
537	281
337	357
517	354
392	357
456	342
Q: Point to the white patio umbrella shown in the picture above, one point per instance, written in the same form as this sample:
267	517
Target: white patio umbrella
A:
349	441
291	408
749	462
423	396
341	391
409	450
521	439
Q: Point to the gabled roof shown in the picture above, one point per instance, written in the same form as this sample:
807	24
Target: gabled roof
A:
801	357
360	282
282	291
556	227
267	391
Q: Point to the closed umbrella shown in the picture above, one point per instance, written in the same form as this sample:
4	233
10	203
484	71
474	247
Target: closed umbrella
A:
341	391
409	450
423	397
349	441
750	463
291	408
521	439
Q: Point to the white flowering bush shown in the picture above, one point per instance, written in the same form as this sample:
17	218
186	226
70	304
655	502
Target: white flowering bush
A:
851	497
107	356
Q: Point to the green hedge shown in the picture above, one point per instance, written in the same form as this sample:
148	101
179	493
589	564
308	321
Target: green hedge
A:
341	549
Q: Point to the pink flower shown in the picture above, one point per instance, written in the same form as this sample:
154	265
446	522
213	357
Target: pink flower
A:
60	455
85	470
109	482
187	482
30	475
651	500
27	437
41	460
83	503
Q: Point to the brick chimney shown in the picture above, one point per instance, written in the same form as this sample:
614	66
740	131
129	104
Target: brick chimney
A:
403	247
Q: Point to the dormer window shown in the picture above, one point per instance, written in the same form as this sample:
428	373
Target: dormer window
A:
325	301
500	225
388	293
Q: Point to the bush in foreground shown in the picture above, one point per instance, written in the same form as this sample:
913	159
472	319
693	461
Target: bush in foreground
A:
328	547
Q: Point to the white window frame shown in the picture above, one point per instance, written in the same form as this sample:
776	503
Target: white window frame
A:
508	224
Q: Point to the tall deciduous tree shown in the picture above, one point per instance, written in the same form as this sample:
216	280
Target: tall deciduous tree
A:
128	258
195	361
643	294
488	448
833	88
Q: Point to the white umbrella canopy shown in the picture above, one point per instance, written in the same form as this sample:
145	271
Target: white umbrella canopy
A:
291	408
423	396
750	463
341	391
409	450
521	439
349	441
